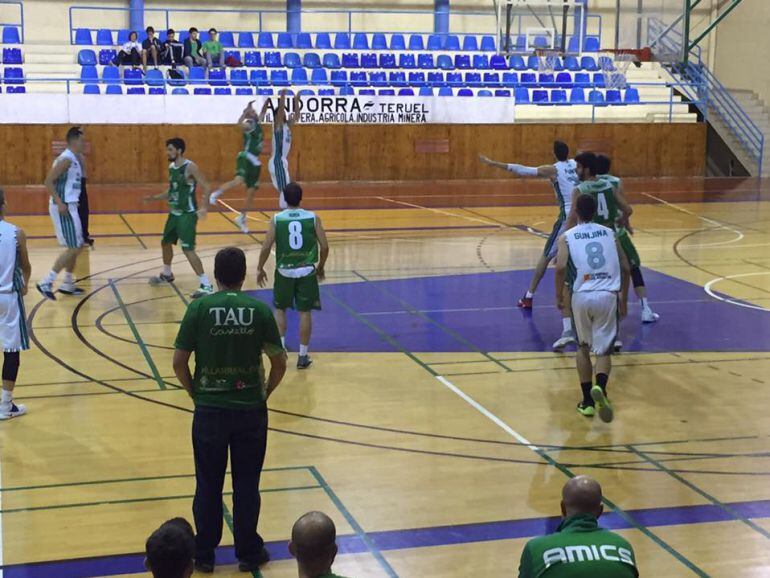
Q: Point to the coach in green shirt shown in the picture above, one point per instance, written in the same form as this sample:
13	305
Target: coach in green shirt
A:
228	331
579	548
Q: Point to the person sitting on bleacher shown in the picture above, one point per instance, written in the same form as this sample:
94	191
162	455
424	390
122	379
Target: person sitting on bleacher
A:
151	48
130	52
173	50
212	48
192	50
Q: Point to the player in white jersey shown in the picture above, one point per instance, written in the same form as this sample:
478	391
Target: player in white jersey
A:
14	279
279	159
564	179
591	261
63	184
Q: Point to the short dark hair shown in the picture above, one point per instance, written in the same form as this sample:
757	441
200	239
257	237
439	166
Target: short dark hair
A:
170	549
292	193
585	207
177	143
132	33
230	266
560	150
170	31
587	160
214	30
149	29
193	29
603	164
74	133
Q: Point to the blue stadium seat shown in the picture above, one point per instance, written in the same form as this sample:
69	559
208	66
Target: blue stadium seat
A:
83	37
362	92
111	75
582	79
407	61
454	78
178	81
613	97
540	42
452	43
350	60
595	97
325	92
540	96
517	63
592	44
397	79
488	44
503	93
292	60
378	79
436	79
426	91
258	77
284	40
416	42
388	60
425	61
571	63
528	79
279	78
104	37
117	89
122	37
299	76
359	79
197	75
234	54
577	96
444	62
227	39
631	96
323	41
470	43
558	64
397	42
311	60
91	89
492	79
386	92
319	76
573	44
521	44
369	60
564	80
265	40
342	41
360	41
86	57
12	56
142	36
157	90
473	79
484	93
133	76
533	62
510	79
497	62
217	77
265	92
379	42
559	96
606	63
545	79
272	59
331	61
243	91
239	77
481	62
154	78
200	90
599	80
462	61
107	56
183	35
339	77
465	92
348	91
445	91
11	35
417	79
303	41
588	63
140	90
245	40
435	42
406	92
253	59
306	92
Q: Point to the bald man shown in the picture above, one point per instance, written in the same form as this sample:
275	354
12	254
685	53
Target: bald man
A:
314	545
579	548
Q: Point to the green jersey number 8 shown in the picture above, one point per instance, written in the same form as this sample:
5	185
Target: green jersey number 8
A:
295	235
601	208
595	252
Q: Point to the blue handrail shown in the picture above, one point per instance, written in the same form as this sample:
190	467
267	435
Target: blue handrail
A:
20	22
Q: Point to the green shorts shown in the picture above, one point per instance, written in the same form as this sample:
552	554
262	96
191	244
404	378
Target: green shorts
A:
628	247
181	227
301	293
247	170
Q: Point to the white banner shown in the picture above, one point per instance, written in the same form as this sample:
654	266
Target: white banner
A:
203	109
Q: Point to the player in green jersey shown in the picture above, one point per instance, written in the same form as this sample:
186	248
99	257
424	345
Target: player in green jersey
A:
247	164
603	164
298	235
184	178
611	206
314	545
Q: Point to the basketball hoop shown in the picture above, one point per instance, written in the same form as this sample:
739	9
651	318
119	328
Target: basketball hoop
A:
548	58
614	66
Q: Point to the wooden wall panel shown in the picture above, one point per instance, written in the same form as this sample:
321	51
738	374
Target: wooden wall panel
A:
136	153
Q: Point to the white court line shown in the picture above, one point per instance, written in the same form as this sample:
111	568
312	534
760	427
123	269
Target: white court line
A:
231	209
492	223
488	414
707	289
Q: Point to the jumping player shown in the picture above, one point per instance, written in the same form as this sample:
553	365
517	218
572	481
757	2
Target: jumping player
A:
279	160
591	260
247	164
564	179
63	184
184	177
14	280
624	237
297	235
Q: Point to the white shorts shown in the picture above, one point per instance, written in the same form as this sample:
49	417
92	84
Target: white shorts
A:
595	314
13	323
69	231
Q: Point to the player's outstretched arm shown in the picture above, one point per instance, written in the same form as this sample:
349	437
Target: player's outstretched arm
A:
248	112
26	267
541	172
264	254
625	275
263	111
203	184
295	108
562	256
323	244
56	171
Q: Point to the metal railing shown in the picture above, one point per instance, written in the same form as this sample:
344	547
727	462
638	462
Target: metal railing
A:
18	23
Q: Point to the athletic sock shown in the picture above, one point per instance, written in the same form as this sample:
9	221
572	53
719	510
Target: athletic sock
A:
283	342
50	278
204	279
529	295
586	388
645	305
68	278
601	381
167	270
303	350
566	323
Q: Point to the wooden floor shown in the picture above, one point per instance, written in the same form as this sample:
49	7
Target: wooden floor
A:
436	427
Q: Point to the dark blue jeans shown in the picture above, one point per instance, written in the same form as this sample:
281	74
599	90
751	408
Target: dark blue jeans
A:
244	433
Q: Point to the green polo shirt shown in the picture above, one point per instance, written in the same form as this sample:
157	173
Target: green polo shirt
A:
578	549
228	331
213	47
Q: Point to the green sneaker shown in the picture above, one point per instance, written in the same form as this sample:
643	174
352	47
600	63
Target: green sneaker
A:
586	410
603	405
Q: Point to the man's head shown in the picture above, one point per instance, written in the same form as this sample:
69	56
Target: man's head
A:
150	32
194	33
586	165
171	34
581	495
230	268
133	36
603	164
314	542
213	34
293	194
175	148
170	549
560	150
75	139
585	206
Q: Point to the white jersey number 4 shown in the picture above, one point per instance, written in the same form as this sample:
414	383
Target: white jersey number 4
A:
602	208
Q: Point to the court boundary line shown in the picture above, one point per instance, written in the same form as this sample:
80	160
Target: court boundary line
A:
130	228
707	288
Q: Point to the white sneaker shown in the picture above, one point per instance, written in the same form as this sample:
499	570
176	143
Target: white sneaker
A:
11	410
214	196
202	291
649	316
240	220
618	345
567	338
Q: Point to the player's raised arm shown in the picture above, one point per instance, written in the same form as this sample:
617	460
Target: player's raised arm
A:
248	112
26	267
542	172
295	110
323	244
562	256
54	173
263	111
264	254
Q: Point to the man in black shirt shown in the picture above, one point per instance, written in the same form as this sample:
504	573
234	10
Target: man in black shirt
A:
150	47
173	50
192	50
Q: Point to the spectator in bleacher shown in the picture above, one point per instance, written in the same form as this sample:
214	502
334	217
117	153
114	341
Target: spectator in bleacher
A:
130	52
212	48
173	50
579	547
314	545
151	48
192	50
170	549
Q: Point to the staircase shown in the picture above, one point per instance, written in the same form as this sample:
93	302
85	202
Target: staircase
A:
760	115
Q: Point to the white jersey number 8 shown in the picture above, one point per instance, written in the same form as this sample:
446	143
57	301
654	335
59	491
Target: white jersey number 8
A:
295	235
602	209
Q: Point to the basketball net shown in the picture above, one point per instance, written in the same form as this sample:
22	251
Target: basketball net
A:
547	59
615	65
